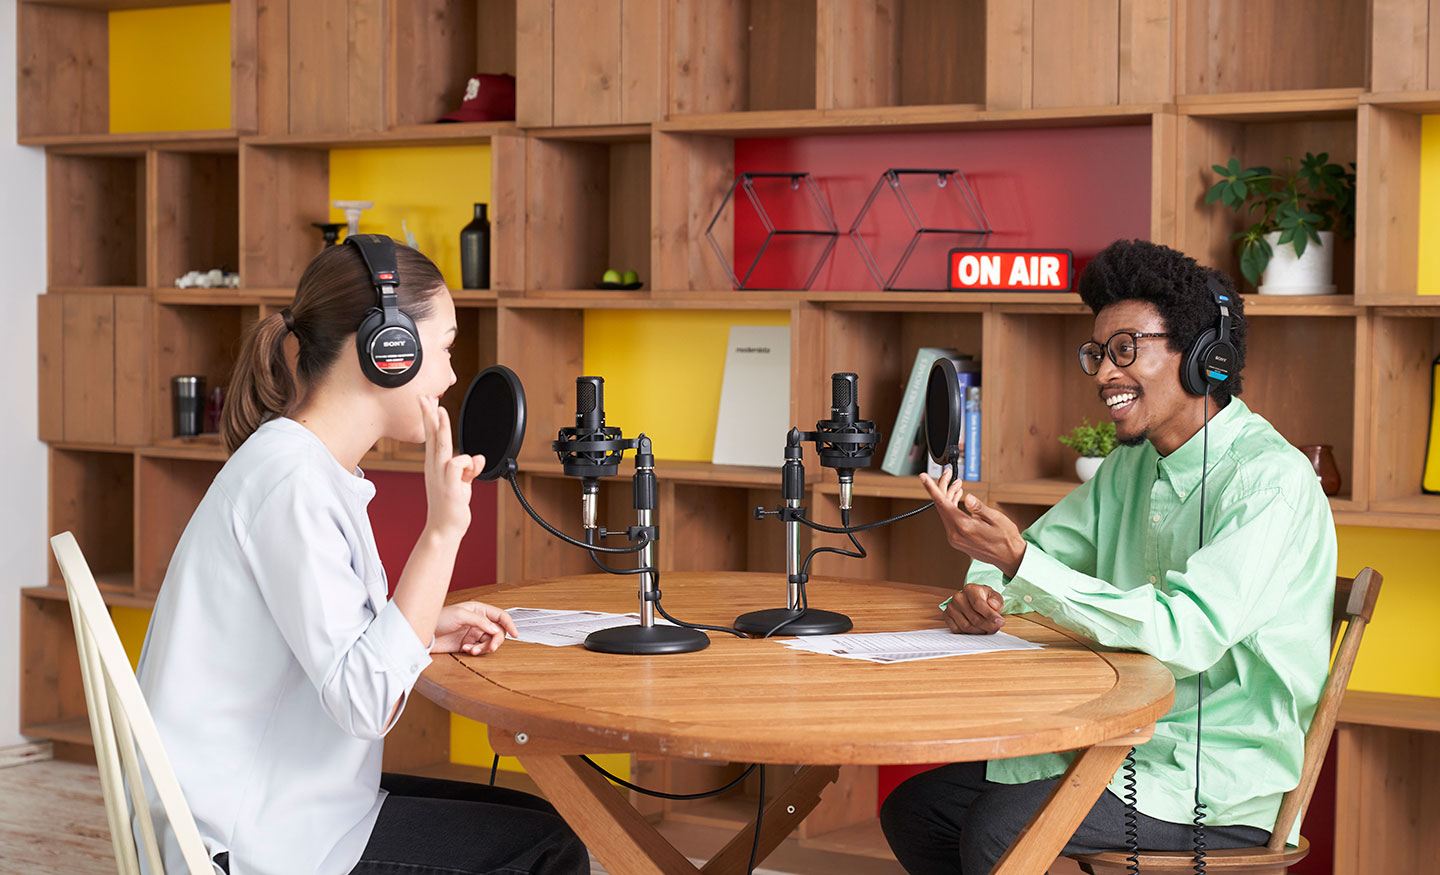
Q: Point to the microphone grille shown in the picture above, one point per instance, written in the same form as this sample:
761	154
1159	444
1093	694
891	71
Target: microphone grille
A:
585	397
840	391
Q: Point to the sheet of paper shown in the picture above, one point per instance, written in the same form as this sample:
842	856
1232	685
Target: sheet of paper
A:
888	647
564	628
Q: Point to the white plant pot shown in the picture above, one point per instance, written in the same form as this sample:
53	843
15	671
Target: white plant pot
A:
1311	274
1086	466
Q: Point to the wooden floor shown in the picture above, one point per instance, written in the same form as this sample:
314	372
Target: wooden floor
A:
52	820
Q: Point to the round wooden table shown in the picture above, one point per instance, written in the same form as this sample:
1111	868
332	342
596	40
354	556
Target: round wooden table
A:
749	700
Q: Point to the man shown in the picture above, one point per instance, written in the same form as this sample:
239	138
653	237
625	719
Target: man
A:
1119	560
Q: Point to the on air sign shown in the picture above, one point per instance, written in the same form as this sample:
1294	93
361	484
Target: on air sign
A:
1010	270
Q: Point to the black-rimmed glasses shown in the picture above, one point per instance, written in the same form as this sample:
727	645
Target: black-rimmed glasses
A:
1121	347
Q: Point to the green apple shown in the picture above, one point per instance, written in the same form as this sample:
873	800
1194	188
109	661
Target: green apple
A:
629	277
611	276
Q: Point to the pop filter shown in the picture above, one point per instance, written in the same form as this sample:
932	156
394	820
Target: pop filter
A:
942	413
492	420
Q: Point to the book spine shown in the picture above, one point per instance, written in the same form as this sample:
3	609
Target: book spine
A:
907	422
972	434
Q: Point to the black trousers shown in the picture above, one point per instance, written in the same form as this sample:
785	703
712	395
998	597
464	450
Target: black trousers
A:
432	827
951	820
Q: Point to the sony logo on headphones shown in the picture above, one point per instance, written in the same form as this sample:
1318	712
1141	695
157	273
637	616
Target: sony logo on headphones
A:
1220	358
392	343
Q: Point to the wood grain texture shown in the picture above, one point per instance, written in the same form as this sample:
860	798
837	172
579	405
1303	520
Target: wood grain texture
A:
369	102
1400	45
1387	210
95	212
534	63
642	48
942	52
1260	45
858	53
1076	52
133	347
820	710
1388	775
434	53
319	50
508	219
587	63
89	326
285	190
63	84
781	54
708	68
1009	55
272	67
50	366
1064	808
1146	66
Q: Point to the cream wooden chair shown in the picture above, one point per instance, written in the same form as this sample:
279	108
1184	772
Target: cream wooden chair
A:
119	722
1354	606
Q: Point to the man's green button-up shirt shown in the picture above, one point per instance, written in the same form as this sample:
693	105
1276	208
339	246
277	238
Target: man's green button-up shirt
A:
1118	560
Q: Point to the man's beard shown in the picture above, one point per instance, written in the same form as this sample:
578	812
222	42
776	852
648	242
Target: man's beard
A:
1135	441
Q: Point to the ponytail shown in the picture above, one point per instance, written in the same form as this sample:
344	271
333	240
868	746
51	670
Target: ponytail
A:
331	299
261	384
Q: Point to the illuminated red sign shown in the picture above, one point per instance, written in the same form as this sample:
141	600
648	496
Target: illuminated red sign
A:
1010	270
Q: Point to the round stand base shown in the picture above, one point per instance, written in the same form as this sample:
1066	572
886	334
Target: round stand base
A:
810	621
646	640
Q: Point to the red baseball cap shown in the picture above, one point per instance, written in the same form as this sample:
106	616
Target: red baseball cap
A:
489	97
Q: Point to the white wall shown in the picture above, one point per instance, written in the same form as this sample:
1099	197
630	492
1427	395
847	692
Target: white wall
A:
23	548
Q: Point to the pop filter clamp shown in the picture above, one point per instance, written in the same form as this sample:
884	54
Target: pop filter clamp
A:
844	442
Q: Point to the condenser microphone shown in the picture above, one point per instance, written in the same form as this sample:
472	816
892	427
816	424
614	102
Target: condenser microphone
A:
590	450
845	441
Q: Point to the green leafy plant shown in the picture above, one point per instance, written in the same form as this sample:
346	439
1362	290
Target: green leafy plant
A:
1091	440
1319	196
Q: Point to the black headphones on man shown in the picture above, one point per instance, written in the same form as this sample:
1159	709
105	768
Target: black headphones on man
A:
1210	359
387	342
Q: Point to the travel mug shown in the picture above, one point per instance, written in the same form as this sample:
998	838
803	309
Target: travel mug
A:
187	395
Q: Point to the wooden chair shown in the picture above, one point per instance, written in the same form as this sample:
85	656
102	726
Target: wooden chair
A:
1354	602
119	721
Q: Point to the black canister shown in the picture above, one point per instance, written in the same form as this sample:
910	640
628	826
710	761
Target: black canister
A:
187	396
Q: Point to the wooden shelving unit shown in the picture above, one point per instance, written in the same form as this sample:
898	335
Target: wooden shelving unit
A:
621	153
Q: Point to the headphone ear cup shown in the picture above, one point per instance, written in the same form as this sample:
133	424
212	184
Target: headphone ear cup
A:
373	364
1192	364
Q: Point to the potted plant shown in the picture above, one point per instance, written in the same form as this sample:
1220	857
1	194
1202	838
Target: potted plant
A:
1289	250
1093	443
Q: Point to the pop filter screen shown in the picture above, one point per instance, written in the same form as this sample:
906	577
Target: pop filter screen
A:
492	419
942	412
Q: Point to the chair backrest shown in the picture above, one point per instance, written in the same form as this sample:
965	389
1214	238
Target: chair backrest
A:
119	722
1354	606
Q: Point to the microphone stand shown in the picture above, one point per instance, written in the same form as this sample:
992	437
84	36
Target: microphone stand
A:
796	618
648	637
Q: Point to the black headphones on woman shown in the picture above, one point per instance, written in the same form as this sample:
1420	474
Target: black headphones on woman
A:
387	342
1210	359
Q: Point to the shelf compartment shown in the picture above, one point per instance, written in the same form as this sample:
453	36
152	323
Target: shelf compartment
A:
742	55
1266	48
64	83
438	45
905	53
588	211
1204	230
1059	168
194	339
1389	191
93	495
169	491
1314	404
526	551
96	211
880	347
197	205
52	693
1406	345
707	527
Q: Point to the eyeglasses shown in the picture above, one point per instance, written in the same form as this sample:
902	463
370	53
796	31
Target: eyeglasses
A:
1121	347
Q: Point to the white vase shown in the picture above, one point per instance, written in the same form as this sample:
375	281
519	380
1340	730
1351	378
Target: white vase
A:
1086	466
1311	274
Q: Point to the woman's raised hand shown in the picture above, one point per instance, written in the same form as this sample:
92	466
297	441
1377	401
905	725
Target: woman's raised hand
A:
447	476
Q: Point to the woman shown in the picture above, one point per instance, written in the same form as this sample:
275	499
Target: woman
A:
274	664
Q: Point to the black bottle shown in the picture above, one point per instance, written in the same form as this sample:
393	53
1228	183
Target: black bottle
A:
475	251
